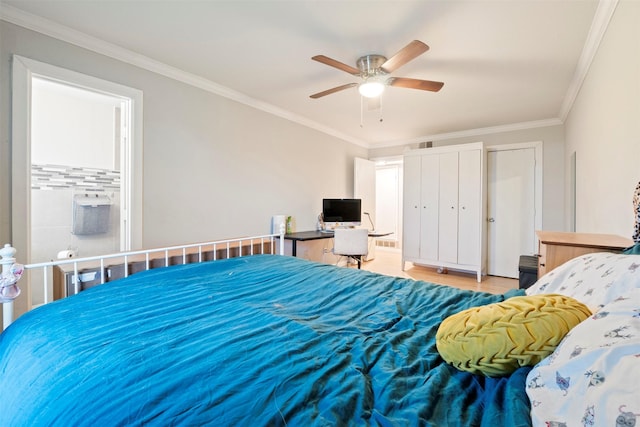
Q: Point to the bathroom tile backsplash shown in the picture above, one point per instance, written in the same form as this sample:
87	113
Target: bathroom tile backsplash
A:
58	177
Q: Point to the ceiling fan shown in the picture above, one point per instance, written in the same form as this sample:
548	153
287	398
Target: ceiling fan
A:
375	71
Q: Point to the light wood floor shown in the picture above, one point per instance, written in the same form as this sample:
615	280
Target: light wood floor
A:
389	262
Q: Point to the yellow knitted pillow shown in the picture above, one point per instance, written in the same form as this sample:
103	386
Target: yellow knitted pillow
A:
496	339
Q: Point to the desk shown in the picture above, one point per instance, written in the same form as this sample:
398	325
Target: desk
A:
302	236
556	248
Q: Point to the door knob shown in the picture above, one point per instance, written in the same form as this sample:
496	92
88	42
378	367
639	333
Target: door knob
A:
491	220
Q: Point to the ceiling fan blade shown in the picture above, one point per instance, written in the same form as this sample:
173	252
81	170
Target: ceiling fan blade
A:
336	64
415	84
332	90
406	54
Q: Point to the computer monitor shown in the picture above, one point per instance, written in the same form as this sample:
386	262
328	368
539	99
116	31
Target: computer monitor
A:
341	212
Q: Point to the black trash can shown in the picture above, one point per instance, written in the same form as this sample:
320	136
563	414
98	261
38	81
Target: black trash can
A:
528	268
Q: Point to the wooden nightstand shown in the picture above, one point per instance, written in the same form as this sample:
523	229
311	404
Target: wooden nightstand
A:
556	247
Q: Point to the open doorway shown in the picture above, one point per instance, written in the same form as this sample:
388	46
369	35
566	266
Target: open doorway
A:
389	201
56	157
76	174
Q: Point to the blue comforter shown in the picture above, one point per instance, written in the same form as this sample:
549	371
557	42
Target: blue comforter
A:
262	340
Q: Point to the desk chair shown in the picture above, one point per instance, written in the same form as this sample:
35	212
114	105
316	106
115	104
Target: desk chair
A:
351	242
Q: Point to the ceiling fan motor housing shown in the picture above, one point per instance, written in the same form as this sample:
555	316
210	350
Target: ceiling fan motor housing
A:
370	65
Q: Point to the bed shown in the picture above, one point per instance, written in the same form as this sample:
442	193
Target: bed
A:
261	340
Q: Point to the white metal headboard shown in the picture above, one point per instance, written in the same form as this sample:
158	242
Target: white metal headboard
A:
7	260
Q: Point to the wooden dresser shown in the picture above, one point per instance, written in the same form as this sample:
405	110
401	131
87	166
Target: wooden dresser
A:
557	247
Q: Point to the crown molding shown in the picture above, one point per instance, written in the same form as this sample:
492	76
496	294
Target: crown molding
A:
44	26
599	25
474	132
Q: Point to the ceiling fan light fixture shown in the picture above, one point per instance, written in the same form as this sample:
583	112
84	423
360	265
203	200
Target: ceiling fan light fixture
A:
371	89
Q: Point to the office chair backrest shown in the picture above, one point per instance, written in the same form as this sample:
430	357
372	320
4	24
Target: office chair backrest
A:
351	241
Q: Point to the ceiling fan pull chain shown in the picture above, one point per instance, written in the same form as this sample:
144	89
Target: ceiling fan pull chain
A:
361	111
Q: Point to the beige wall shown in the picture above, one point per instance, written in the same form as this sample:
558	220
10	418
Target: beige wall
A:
213	168
603	129
552	137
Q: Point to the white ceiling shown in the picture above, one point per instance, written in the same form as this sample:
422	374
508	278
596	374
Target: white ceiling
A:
505	63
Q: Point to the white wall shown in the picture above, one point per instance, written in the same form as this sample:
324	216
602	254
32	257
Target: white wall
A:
603	129
213	168
88	142
552	137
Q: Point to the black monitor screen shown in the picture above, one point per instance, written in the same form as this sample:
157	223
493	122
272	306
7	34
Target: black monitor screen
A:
341	210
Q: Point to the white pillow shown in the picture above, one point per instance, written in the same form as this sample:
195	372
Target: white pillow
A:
593	376
594	279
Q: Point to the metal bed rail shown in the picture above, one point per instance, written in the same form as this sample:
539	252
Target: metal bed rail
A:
236	247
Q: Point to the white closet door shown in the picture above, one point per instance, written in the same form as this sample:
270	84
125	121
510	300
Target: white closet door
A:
469	215
411	207
429	207
448	209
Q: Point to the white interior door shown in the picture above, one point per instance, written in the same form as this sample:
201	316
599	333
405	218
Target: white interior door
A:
365	189
511	209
